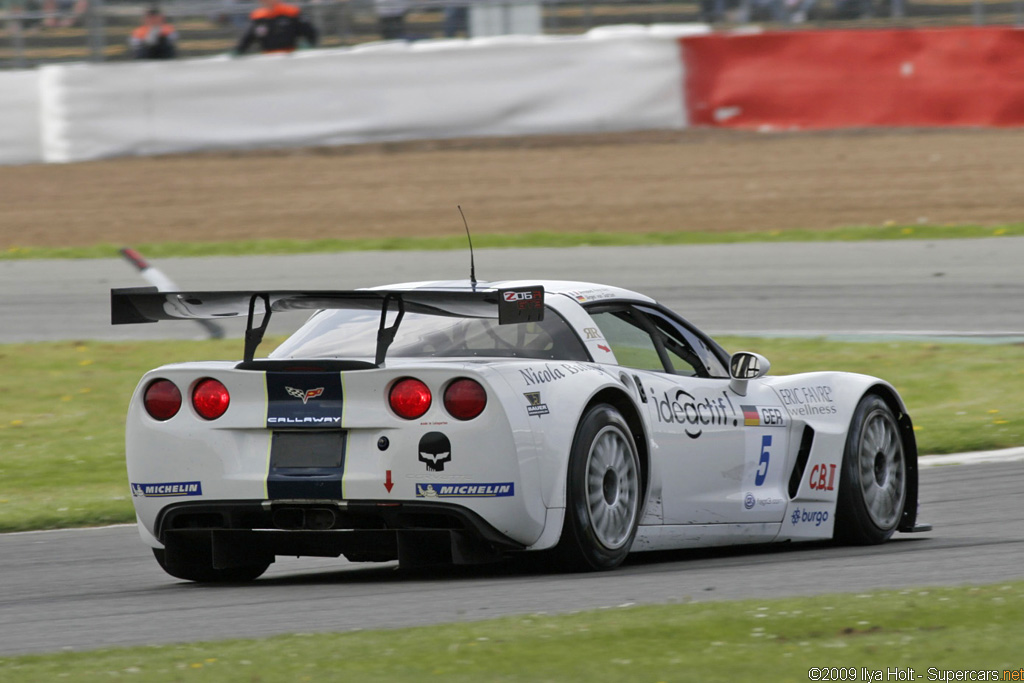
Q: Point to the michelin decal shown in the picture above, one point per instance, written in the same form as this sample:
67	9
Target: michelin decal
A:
500	490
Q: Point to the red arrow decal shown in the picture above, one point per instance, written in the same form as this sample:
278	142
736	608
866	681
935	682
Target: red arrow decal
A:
604	348
387	482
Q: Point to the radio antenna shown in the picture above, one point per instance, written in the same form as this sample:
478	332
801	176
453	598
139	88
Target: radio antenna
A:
472	264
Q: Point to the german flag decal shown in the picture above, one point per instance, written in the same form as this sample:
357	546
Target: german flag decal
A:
751	418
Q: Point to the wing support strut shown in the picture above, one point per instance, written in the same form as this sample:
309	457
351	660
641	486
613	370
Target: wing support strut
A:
386	335
254	335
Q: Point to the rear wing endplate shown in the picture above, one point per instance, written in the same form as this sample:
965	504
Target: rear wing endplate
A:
148	305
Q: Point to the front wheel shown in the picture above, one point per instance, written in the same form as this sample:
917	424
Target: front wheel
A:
602	492
873	487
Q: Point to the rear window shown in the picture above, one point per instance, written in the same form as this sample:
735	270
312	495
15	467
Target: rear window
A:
349	333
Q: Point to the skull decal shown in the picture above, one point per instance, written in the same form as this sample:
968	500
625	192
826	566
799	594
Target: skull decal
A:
435	451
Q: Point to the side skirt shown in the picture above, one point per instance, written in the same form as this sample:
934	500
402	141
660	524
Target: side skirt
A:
678	536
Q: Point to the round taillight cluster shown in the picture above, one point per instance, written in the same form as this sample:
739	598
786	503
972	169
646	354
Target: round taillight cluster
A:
162	399
464	399
410	398
210	398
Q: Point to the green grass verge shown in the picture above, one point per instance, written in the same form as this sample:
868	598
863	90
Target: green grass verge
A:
932	631
63	407
530	239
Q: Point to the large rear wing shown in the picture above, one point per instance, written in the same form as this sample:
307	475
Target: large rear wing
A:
148	305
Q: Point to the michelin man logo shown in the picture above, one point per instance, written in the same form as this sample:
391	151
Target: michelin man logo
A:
435	451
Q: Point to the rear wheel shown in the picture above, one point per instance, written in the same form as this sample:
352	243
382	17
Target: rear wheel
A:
603	492
873	487
198	566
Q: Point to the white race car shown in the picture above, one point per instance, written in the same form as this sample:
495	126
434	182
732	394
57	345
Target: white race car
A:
459	422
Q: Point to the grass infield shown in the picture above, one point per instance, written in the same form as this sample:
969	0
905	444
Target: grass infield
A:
522	241
934	631
63	407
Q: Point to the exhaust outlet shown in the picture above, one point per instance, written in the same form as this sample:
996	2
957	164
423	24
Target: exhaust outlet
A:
289	519
319	519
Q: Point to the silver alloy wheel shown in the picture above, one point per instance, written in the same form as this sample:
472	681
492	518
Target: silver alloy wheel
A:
882	469
613	489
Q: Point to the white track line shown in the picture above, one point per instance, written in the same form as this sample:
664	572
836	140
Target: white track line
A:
972	458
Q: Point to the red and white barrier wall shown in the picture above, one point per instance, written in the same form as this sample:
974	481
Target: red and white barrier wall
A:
613	79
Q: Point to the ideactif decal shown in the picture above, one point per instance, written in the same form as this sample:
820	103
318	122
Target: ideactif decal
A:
167	489
684	408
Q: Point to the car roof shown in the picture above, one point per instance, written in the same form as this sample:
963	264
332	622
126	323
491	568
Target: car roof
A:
581	292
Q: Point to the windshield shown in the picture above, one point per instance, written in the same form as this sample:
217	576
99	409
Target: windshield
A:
347	333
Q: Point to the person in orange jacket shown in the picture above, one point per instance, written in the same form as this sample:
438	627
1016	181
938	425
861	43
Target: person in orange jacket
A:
155	38
276	26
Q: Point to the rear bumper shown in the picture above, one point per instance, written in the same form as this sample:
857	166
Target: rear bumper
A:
413	533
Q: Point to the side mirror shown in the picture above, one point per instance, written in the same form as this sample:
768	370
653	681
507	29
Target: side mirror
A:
744	366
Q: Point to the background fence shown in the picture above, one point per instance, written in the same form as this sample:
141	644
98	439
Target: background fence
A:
34	32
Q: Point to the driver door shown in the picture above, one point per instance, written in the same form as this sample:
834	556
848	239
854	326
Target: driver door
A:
715	463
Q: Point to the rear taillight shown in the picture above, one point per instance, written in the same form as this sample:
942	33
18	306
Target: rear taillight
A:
464	399
409	398
210	398
162	399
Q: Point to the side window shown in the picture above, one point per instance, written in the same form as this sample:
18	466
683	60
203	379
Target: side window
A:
629	338
686	347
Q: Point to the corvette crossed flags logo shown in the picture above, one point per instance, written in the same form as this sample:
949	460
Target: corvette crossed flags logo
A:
304	395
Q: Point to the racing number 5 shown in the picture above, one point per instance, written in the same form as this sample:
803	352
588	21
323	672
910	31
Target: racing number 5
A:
762	465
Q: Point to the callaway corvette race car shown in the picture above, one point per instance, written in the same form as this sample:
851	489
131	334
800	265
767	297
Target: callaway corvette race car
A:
459	422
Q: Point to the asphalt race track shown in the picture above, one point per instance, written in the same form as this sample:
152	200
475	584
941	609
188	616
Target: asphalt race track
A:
86	589
942	287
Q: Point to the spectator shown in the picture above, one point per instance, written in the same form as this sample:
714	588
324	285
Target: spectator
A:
276	27
456	19
391	18
52	9
155	38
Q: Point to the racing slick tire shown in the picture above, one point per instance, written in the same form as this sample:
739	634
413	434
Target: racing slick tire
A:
602	493
199	568
873	482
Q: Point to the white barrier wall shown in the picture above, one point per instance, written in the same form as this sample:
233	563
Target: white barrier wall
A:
19	118
613	79
609	81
